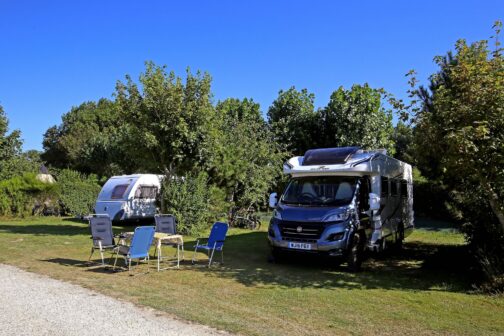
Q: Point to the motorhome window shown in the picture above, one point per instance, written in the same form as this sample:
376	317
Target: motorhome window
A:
393	187
404	188
119	190
146	192
384	187
320	190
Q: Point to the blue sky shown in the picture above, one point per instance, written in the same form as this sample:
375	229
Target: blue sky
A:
58	54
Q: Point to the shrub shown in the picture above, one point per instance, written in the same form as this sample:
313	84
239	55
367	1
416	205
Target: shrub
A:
188	198
77	192
20	195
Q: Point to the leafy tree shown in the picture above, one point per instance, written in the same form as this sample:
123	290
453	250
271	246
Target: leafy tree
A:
403	139
10	149
87	140
356	117
168	121
460	139
245	160
293	119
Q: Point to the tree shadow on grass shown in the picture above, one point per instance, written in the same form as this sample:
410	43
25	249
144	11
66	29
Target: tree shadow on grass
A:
46	229
418	267
79	228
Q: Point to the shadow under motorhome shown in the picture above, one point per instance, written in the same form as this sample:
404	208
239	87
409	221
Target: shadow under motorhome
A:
341	201
129	197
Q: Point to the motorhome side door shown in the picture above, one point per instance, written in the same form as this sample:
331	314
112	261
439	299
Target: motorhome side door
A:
364	190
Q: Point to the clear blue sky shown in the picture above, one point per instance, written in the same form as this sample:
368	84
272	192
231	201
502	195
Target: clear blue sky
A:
58	54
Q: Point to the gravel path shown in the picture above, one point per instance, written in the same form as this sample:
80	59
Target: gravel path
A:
31	304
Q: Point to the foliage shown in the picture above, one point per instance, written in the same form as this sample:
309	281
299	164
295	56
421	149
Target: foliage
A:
356	117
87	140
10	149
77	192
168	121
293	119
188	198
403	139
460	138
20	195
246	160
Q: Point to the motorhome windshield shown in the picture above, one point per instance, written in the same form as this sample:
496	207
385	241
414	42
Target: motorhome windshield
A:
320	191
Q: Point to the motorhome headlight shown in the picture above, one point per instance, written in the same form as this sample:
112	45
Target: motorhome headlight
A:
277	215
338	217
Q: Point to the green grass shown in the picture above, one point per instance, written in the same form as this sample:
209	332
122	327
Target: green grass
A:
425	290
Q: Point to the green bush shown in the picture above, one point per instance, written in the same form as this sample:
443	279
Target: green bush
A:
21	195
77	192
188	198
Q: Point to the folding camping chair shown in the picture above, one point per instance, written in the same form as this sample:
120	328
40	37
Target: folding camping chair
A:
139	248
101	234
215	242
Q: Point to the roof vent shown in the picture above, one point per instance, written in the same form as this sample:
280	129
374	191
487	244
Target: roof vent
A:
328	156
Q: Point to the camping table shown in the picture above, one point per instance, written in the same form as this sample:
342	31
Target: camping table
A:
159	238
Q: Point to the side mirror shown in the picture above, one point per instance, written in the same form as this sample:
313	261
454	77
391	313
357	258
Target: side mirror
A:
374	202
273	200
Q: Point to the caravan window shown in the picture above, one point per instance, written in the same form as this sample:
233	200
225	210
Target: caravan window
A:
393	188
118	191
146	192
384	187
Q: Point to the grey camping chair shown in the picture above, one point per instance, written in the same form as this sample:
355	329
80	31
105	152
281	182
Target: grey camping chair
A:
168	224
101	234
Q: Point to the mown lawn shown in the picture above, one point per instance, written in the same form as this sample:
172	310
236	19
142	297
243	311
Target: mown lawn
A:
425	290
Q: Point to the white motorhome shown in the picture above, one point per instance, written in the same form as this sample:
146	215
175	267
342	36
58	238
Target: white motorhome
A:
340	201
129	197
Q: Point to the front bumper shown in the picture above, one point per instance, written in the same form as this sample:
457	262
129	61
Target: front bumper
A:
321	246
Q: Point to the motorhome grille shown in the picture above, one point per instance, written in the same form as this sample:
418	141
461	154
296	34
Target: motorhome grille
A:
301	231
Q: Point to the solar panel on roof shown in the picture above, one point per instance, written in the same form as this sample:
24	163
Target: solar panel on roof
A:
328	156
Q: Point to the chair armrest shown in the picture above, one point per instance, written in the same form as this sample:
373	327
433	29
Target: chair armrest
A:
95	238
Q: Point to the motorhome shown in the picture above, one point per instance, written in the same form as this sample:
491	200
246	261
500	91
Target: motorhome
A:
341	201
129	197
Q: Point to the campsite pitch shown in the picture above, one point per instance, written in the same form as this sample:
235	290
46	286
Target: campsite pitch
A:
425	290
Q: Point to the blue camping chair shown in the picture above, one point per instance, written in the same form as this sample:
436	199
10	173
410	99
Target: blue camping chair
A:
215	242
139	247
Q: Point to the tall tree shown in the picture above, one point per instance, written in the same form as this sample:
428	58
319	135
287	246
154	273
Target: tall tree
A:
246	160
168	120
404	142
293	119
356	117
87	140
10	147
462	131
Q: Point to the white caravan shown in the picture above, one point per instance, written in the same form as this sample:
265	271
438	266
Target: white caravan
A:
129	197
340	201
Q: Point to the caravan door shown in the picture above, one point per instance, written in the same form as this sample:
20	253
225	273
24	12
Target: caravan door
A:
144	201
